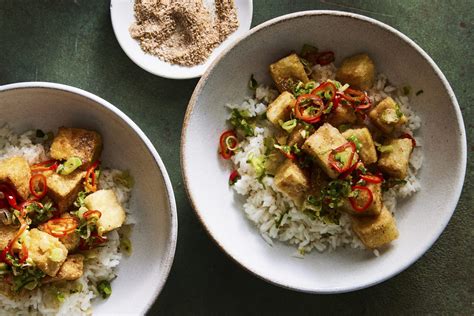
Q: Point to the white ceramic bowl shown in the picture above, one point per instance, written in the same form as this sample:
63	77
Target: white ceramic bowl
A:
122	14
421	218
48	106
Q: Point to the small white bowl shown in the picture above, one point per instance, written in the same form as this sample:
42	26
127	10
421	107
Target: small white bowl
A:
122	14
421	218
47	106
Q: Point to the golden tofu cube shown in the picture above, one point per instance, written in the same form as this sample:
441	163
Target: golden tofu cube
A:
358	71
287	72
367	151
292	181
105	201
7	233
395	161
63	189
46	251
322	143
374	208
342	115
77	142
387	115
280	108
16	172
72	269
376	231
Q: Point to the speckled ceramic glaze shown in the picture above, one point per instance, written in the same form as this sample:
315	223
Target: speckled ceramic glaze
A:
48	106
421	218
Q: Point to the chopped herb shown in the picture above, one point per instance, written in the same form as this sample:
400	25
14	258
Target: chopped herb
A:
80	199
126	245
384	148
253	83
69	166
389	116
419	92
344	127
104	288
334	193
28	278
328	108
398	111
288	126
356	141
307	65
306	49
239	119
269	143
258	164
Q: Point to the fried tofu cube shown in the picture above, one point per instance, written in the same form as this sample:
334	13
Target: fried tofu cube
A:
387	115
358	71
395	161
46	251
280	108
376	231
367	151
342	115
287	72
77	142
374	208
292	181
105	201
7	233
72	269
63	189
16	171
320	145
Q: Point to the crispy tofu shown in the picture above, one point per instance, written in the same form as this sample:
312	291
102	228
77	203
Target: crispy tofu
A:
342	115
16	172
280	108
77	142
395	162
321	143
367	151
376	231
374	208
287	72
387	115
7	233
358	71
105	201
72	269
63	189
46	251
292	181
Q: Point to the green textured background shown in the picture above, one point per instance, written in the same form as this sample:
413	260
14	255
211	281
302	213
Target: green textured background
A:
72	42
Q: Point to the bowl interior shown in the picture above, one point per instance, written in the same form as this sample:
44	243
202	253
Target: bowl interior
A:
420	218
142	275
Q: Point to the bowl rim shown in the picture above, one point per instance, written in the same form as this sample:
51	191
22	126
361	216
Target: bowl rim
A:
296	15
165	74
171	243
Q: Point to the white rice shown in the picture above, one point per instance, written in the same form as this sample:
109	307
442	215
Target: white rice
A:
266	207
100	263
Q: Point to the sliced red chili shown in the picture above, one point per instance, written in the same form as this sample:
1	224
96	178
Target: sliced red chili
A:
337	165
24	205
349	171
368	200
60	227
325	58
358	99
369	178
309	108
45	166
92	213
10	197
38	186
17	236
413	141
234	177
325	90
228	143
24	253
90	181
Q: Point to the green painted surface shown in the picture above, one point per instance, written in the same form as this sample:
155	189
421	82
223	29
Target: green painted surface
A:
72	42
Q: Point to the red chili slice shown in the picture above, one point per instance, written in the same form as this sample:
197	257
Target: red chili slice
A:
60	227
325	58
323	88
353	201
305	109
227	144
335	164
369	178
413	141
90	181
24	253
45	166
24	205
349	171
92	213
234	176
358	99
38	186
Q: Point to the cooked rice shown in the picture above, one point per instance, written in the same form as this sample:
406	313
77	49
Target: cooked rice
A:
266	207
100	263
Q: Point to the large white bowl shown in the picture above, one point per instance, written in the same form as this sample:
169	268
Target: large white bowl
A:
421	218
47	106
